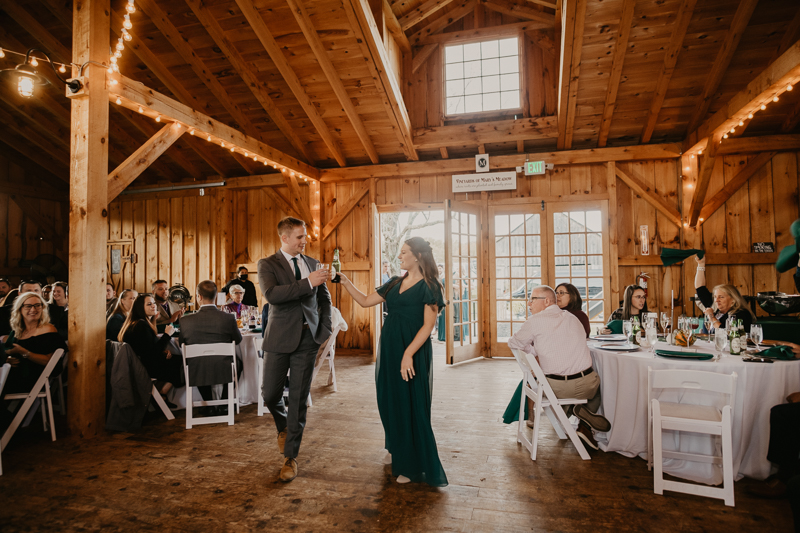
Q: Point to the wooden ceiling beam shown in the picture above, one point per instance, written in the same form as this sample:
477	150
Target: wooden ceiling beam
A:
366	32
16	127
393	25
703	179
517	28
282	202
142	158
422	55
465	7
767	143
638	185
736	183
682	20
519	9
568	157
312	36
790	36
739	23
134	94
29	23
570	69
421	12
614	78
118	134
279	59
344	210
249	75
296	201
771	81
486	132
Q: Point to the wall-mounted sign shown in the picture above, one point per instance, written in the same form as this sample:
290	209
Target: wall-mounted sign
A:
116	261
763	247
534	168
482	163
490	181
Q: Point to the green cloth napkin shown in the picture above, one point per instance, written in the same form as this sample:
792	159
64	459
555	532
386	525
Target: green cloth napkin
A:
685	355
511	414
789	256
615	326
778	352
670	256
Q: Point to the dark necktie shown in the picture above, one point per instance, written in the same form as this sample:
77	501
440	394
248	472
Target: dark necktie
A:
296	269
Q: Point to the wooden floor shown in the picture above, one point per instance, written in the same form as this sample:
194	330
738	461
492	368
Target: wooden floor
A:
221	478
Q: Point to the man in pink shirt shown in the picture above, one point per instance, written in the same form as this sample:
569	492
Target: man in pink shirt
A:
557	339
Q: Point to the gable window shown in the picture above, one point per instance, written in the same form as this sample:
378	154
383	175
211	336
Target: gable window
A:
482	76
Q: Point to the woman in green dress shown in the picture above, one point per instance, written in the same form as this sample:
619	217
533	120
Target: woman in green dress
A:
404	373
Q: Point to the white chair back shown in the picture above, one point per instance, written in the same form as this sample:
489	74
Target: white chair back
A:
192	351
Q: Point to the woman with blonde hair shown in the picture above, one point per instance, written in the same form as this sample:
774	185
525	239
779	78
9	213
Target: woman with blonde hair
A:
725	302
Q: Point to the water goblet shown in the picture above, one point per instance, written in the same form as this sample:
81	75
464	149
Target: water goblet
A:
757	334
720	339
627	327
652	338
665	322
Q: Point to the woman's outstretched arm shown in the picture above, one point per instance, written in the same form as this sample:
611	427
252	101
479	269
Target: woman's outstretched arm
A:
361	299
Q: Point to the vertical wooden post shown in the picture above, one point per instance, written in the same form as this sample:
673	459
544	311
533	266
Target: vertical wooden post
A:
612	299
314	201
484	242
87	220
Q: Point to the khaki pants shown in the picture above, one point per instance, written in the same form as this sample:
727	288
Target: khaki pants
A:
585	388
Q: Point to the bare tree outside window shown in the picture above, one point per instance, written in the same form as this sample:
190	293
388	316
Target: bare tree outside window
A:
396	228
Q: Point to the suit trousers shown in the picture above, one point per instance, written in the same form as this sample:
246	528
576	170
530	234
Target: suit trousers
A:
585	388
276	366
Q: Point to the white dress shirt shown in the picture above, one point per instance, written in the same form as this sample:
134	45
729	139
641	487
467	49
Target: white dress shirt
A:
301	264
557	338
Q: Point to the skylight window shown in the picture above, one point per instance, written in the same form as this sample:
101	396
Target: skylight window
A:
482	76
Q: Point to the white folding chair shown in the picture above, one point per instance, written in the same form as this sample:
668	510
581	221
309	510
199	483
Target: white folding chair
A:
160	402
536	387
327	355
62	405
41	390
204	350
4	370
692	418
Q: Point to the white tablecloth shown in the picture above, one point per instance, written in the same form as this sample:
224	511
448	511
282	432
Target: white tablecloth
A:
759	387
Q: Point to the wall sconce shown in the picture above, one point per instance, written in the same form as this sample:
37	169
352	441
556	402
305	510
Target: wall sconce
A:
644	239
27	79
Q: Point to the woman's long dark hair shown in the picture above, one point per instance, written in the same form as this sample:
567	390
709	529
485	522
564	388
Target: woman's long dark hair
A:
575	300
137	313
427	265
626	303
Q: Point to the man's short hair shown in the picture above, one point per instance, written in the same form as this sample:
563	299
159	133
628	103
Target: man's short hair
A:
110	285
156	282
208	290
242	268
29	282
288	224
544	290
5	280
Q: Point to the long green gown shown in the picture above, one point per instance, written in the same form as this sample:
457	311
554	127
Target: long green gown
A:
405	406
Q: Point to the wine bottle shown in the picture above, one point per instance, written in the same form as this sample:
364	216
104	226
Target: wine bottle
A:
734	341
336	265
636	332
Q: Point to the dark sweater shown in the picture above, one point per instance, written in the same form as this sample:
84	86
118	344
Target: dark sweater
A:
707	300
584	320
150	350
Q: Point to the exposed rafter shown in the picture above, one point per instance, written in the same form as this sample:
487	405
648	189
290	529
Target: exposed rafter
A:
486	132
730	188
344	210
421	12
422	55
490	32
620	49
652	197
707	163
31	24
465	7
670	59
570	69
520	9
307	27
393	25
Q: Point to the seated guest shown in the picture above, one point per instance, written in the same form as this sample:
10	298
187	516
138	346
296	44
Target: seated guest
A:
209	326
250	294
120	313
165	313
30	286
554	336
47	293
29	346
59	307
111	299
634	304
139	330
727	301
5	311
569	299
237	293
5	288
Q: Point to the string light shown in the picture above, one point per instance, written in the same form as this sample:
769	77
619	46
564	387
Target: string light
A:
158	118
775	99
118	100
763	107
741	122
265	162
733	130
255	158
209	138
2	54
141	110
222	143
789	87
62	69
130	8
191	132
232	148
127	22
112	82
750	116
34	62
126	35
725	136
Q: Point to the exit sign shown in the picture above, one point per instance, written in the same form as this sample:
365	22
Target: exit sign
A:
534	168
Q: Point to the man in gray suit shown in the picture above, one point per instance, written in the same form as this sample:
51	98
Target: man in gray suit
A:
209	325
299	322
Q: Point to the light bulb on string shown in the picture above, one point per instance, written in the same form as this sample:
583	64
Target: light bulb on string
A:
62	69
233	148
125	35
113	60
112	82
130	8
117	54
118	100
741	122
34	62
763	107
120	45
247	154
750	116
209	138
699	152
141	110
191	132
775	98
222	144
265	162
127	22
733	130
725	136
115	67
255	158
158	118
789	87
2	54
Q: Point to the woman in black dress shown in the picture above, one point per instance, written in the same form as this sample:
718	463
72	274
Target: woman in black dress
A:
119	313
58	308
29	346
139	330
725	302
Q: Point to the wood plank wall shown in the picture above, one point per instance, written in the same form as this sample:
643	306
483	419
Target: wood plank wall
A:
21	238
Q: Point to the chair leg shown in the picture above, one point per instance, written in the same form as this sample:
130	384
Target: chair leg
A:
231	402
189	406
44	416
236	387
727	462
49	400
521	415
658	474
537	417
161	404
332	378
62	406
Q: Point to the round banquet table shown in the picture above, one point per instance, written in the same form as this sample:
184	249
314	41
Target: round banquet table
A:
759	387
249	387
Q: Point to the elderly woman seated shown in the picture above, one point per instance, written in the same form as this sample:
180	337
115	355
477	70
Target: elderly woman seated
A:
236	306
726	301
29	346
119	313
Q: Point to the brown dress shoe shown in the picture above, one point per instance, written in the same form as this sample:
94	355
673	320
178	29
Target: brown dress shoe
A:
289	469
586	435
281	440
772	488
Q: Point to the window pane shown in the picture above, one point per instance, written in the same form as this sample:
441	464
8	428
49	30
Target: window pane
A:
473	104
594	221
562	244
509	99
473	294
490	49
532	224
595	287
518	269
472	51
491	101
502	268
501	246
534	267
509	65
504	310
501	225
533	245
454	54
595	311
456	250
509	47
578	265
472	86
577	243
595	265
580	284
577	221
503	331
518	310
560	223
454	71
491	84
465	245
510	81
473	224
595	243
455	105
455	88
517	245
517	224
490	67
562	268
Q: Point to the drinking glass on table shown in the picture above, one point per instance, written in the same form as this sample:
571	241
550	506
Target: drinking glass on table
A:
652	338
708	323
757	334
627	328
720	339
665	322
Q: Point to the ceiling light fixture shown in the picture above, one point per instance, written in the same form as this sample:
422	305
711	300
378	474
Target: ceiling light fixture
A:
27	79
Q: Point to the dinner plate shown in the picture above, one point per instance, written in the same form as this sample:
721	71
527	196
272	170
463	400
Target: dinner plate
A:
619	347
618	337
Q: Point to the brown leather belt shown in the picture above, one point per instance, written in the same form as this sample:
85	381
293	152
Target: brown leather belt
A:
573	376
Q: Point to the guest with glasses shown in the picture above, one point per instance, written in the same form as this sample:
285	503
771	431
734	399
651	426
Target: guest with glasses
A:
569	299
29	346
725	302
634	304
237	293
